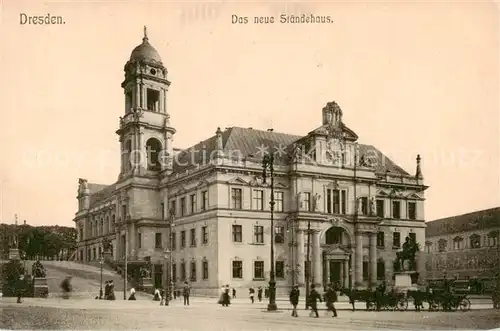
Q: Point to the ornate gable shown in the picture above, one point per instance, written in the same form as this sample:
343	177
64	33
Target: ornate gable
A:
280	185
414	196
237	181
202	183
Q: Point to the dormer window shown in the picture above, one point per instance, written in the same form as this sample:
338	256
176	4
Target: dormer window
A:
153	100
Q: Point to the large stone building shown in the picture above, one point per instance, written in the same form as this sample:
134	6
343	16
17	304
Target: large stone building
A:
464	246
359	205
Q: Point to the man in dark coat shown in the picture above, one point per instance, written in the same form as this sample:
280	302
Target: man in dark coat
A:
20	287
259	293
186	293
313	299
330	299
294	299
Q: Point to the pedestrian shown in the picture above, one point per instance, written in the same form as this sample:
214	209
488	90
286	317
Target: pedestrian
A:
157	296
259	293
163	298
111	295
186	293
226	299
251	292
234	293
330	299
294	299
20	287
221	296
66	287
313	299
132	294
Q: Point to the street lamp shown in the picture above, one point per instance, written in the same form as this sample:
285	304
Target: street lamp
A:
308	261
101	262
167	256
268	164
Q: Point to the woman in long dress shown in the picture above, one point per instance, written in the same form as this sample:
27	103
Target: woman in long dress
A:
132	294
221	296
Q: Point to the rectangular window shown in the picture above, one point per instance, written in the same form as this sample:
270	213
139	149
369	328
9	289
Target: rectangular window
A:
174	272
205	269
204	200
236	198
183	271
258	270
152	99
193	271
278	201
183	239
139	240
365	270
124	212
204	235
162	206
158	240
381	239
279	235
412	210
380	208
238	269
364	205
396	240
173	207
193	237
280	269
183	206
174	241
258	200
237	233
396	209
380	270
336	201
258	233
442	243
192	200
307	201
413	236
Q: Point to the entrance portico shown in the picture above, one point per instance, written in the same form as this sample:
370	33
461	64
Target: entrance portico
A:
336	267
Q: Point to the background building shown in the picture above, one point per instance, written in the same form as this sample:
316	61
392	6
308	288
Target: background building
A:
464	246
359	205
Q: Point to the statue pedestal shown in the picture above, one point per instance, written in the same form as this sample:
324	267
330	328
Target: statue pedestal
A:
402	280
40	288
147	285
14	254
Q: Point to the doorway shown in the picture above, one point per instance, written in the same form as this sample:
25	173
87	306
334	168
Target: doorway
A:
335	269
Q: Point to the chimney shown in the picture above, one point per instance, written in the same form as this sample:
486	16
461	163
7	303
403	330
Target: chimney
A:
24	222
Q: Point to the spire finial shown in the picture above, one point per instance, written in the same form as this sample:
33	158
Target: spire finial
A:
418	173
145	33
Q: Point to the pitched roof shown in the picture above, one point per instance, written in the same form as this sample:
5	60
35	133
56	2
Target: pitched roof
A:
482	219
247	141
104	192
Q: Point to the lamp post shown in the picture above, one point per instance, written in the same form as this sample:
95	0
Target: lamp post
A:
101	262
268	164
308	261
167	255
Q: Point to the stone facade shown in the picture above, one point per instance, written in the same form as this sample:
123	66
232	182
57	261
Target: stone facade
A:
210	203
464	246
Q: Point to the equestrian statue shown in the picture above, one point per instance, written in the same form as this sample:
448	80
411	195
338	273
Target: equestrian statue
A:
410	249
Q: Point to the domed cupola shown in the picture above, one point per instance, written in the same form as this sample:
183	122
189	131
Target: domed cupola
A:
145	52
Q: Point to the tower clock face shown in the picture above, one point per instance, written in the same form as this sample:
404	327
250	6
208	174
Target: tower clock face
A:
153	72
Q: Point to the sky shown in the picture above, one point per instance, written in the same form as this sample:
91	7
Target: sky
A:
411	78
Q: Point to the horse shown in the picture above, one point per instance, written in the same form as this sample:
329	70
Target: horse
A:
360	295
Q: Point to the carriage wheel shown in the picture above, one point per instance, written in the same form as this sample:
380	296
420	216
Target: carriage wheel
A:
402	304
464	305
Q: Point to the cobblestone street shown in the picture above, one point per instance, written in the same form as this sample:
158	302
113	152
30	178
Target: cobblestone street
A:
92	314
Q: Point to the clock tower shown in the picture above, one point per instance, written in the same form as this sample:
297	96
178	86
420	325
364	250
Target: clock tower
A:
145	131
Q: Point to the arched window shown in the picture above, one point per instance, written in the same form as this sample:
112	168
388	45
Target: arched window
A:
113	220
428	247
127	154
334	236
442	243
457	242
153	150
475	241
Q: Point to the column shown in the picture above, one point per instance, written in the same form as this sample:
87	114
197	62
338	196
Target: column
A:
143	98
327	270
132	241
373	258
358	268
137	101
421	268
346	274
164	101
300	257
316	256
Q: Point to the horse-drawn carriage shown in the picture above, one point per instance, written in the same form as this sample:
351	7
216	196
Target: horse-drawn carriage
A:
440	300
377	300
